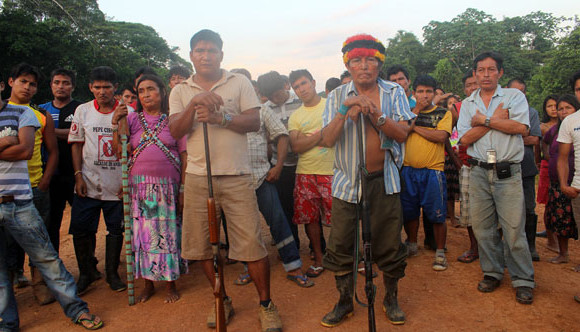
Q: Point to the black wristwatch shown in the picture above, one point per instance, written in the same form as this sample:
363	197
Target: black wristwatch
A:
487	120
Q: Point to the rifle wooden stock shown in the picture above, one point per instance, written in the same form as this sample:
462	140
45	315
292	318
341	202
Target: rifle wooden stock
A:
214	239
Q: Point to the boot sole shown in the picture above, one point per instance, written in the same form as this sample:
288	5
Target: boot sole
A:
340	322
396	322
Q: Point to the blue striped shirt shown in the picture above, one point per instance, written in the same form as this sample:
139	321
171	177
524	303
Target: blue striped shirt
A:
14	179
394	104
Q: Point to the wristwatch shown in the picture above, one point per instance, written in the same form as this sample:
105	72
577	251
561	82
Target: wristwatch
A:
226	119
486	123
381	120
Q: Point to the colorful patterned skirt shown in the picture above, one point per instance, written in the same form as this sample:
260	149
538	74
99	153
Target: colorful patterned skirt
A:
543	182
559	217
156	229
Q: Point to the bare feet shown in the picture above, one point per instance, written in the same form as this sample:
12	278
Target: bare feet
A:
553	248
172	294
147	292
560	259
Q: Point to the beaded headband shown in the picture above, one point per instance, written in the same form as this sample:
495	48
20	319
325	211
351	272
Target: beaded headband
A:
361	46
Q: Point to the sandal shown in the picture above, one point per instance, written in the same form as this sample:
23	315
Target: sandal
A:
560	260
91	323
468	257
301	280
243	279
314	271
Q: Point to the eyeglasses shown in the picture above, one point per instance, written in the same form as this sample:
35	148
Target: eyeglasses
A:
358	62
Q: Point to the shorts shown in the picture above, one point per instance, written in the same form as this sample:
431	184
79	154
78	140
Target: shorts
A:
86	212
464	220
236	196
424	188
312	199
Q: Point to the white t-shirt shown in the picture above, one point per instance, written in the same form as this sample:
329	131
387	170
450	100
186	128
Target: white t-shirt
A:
570	133
101	168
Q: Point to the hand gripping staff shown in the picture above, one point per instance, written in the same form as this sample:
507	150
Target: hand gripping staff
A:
124	132
363	215
214	239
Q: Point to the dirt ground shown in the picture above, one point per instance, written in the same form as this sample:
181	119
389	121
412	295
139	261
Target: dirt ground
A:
432	301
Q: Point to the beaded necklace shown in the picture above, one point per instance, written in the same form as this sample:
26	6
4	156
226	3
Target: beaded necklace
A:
151	137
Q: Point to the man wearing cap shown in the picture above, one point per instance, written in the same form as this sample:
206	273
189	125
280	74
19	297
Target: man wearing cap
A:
386	126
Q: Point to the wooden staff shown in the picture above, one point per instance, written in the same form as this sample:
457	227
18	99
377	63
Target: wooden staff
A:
124	133
214	239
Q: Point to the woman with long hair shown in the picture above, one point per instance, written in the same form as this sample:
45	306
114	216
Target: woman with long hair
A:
559	217
549	119
156	172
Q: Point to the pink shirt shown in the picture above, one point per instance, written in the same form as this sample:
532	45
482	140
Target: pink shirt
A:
152	161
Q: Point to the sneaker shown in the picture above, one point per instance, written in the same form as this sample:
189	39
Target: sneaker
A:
412	249
229	313
440	263
270	318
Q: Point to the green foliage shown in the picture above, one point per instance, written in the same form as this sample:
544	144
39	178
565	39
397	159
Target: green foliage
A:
532	47
554	76
75	34
448	76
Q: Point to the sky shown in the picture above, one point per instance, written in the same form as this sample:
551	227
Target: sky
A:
270	35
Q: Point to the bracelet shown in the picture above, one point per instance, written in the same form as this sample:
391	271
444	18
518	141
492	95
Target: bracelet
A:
181	188
343	109
115	126
77	172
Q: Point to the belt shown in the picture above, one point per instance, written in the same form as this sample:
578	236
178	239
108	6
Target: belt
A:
475	162
6	199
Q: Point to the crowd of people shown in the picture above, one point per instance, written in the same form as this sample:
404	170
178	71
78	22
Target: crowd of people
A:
285	153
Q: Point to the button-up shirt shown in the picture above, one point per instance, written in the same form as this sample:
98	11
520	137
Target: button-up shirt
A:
394	105
270	129
508	147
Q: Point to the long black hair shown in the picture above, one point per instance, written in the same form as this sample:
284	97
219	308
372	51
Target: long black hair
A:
545	116
162	92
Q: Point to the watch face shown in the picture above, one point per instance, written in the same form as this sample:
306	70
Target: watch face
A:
381	120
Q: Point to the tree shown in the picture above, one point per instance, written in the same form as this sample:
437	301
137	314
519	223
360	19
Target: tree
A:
448	76
75	34
406	50
554	76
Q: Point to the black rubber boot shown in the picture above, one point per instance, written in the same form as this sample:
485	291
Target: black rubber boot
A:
112	259
531	224
85	256
95	274
344	308
390	304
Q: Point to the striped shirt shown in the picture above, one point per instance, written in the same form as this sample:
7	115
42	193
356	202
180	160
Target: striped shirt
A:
283	112
270	129
14	179
393	104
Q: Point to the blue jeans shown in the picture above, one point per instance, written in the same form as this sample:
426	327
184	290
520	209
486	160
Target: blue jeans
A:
494	201
21	220
271	208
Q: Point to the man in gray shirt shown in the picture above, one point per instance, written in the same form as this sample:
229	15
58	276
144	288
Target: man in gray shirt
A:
491	123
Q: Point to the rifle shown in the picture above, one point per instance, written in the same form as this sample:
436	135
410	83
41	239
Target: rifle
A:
124	132
363	208
214	239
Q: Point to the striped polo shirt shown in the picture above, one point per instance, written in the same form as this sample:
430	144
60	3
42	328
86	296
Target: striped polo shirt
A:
393	104
14	179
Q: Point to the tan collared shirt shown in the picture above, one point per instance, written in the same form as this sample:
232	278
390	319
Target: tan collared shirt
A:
228	149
